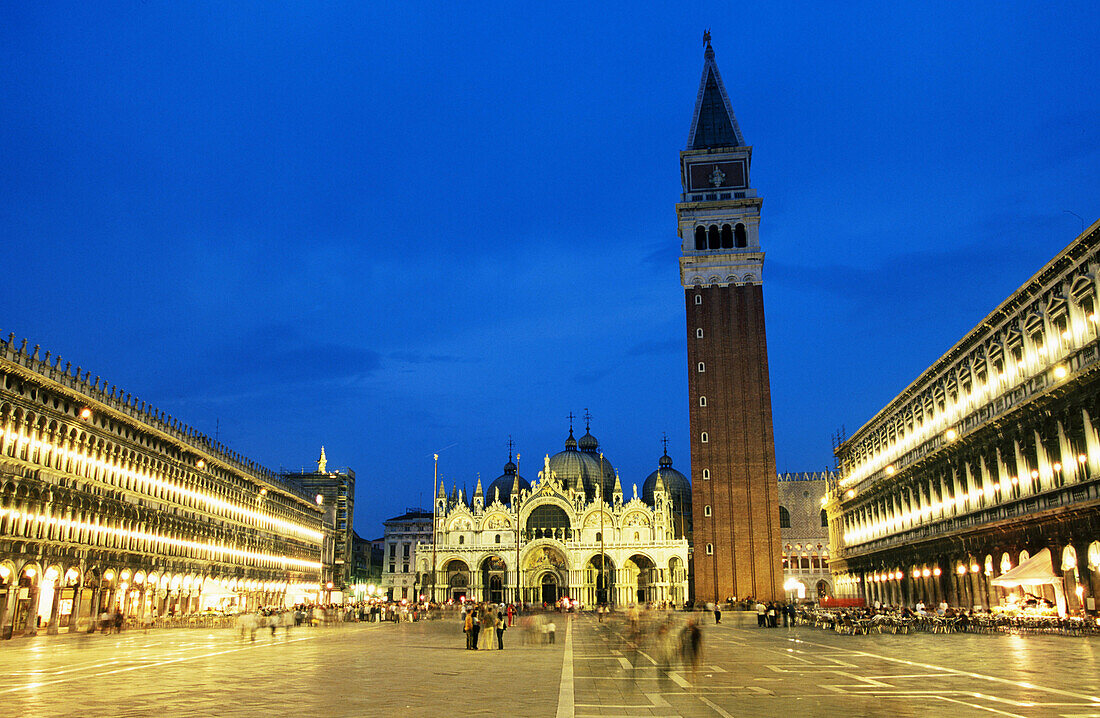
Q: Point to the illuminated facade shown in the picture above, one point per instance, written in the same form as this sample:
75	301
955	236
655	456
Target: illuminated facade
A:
559	533
805	533
106	502
989	457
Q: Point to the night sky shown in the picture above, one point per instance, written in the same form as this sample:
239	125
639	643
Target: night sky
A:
408	228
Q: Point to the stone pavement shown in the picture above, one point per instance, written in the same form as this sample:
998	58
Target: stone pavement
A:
594	669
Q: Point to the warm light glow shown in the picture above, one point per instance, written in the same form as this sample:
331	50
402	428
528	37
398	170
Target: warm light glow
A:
209	548
951	435
936	571
961	569
926	573
320	499
85	413
1059	372
974	568
1057	466
1034	474
890	469
1092	318
850	493
154	486
201	463
1081	459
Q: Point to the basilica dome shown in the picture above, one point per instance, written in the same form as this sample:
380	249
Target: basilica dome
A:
581	469
504	484
676	485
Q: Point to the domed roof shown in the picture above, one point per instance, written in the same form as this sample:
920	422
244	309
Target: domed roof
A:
581	469
504	484
588	443
676	485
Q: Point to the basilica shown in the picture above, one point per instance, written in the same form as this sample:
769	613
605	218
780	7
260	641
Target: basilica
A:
571	534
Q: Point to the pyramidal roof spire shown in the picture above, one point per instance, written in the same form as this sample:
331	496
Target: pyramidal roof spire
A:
713	124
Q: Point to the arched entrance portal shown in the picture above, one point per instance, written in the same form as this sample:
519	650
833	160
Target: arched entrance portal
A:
458	579
493	574
642	574
540	560
550	592
599	581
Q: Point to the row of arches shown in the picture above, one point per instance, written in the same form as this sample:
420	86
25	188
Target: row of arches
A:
186	482
968	581
546	577
61	595
723	237
59	515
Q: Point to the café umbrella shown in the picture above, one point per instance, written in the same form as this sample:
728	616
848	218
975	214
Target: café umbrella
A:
1035	571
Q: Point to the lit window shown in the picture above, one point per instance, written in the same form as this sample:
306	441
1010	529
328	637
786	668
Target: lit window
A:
706	474
710	549
706	510
699	333
702	401
702	367
704	438
698	298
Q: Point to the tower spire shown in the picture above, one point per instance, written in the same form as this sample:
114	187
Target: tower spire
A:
322	461
713	124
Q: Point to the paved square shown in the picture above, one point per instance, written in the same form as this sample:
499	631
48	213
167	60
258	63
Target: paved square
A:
595	669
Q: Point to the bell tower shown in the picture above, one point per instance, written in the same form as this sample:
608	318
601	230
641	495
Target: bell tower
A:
734	492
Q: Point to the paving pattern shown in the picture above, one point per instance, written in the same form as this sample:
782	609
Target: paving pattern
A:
593	670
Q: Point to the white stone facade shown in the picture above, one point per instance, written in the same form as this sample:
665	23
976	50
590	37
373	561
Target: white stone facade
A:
555	536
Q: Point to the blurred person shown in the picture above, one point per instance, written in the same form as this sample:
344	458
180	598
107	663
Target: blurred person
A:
691	647
761	614
468	627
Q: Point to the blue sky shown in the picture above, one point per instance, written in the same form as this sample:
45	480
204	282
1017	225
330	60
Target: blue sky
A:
405	228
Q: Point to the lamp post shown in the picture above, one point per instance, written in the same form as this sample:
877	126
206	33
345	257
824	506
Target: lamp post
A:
435	491
519	573
603	555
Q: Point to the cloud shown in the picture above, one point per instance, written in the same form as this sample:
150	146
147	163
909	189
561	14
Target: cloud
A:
418	358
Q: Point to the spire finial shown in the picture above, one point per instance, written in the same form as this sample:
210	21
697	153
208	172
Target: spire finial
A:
587	419
571	417
706	37
511	445
664	440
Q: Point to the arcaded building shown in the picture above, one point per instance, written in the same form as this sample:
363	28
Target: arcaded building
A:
988	462
572	533
108	503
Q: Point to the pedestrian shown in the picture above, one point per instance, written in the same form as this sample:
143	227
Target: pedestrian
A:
511	615
717	613
468	628
551	628
771	615
761	614
476	627
488	628
501	627
691	647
